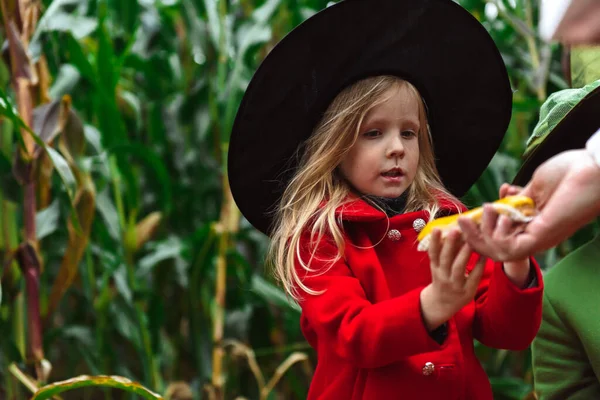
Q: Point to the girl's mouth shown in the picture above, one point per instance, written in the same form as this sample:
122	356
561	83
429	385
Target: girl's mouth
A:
393	175
394	172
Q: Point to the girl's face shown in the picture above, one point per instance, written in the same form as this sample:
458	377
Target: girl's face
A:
384	159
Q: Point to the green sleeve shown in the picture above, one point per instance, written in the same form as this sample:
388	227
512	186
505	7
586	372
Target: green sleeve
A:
561	368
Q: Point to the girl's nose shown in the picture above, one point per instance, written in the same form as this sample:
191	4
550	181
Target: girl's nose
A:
395	147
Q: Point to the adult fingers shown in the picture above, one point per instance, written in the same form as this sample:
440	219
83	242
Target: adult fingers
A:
488	220
471	233
503	190
504	227
537	236
509	190
538	193
527	190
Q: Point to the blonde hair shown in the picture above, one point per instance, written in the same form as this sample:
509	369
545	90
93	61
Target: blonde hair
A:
317	189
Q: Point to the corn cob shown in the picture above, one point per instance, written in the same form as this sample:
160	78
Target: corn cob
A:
518	208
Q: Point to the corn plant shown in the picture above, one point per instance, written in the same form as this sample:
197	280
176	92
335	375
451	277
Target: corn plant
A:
127	268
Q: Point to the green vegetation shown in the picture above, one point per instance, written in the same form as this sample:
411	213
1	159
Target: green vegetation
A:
123	252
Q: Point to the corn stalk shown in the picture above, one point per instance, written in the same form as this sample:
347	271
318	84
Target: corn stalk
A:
227	225
23	79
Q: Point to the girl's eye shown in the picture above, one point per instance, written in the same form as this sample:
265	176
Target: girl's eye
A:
408	134
372	134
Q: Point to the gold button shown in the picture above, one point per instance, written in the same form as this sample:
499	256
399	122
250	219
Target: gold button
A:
419	224
394	234
428	368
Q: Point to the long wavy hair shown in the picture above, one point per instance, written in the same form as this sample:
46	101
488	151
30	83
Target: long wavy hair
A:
317	189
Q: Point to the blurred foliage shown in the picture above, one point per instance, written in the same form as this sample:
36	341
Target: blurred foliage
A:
144	267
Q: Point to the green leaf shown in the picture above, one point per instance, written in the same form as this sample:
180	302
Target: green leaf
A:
62	167
109	213
91	359
134	106
126	13
80	333
123	314
106	63
66	81
272	294
156	320
78	59
120	278
45	120
250	34
585	65
11	352
170	248
56	18
6	140
503	168
197	28
214	26
9	187
153	163
107	75
513	388
92	135
7	109
46	220
84	381
488	186
263	14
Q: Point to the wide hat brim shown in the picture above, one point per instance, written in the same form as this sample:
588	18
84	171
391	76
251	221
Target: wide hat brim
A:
572	132
434	44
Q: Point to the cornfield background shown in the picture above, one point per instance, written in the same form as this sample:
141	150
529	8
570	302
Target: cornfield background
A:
123	252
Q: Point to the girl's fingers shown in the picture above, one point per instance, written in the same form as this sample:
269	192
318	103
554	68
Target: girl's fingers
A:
450	247
460	263
434	248
488	220
476	274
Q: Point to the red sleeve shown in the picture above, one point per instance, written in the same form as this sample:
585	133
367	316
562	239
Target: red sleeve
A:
342	318
507	317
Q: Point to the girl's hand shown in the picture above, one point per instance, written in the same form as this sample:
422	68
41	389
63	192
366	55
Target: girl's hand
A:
451	288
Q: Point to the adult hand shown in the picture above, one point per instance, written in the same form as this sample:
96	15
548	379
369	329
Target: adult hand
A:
495	235
580	25
566	191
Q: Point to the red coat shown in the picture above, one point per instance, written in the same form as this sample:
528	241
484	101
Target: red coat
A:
367	327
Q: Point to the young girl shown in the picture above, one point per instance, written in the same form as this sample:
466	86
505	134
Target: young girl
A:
332	155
